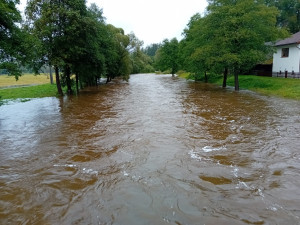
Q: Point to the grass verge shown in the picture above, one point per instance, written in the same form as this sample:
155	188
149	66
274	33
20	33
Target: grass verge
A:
38	91
271	86
280	87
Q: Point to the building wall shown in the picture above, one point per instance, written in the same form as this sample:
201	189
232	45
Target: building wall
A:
289	64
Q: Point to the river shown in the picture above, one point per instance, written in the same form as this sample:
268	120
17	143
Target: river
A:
155	150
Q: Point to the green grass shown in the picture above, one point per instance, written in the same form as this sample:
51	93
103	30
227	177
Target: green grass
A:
281	87
271	86
38	91
183	74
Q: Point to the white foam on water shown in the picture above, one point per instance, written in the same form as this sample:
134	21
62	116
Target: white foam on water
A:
211	149
235	172
65	165
125	174
194	155
242	184
90	171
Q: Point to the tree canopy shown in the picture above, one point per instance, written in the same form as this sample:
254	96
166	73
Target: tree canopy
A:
289	13
76	40
232	36
167	56
15	44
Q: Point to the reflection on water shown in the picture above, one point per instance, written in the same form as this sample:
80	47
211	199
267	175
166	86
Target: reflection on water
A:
156	150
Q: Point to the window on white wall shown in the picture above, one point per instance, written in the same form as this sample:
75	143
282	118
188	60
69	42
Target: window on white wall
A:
285	52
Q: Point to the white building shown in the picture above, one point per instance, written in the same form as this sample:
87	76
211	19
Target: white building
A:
286	59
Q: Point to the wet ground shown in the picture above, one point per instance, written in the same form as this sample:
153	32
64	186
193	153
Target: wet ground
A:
156	150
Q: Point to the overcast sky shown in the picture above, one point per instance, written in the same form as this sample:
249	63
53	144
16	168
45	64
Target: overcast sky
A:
151	20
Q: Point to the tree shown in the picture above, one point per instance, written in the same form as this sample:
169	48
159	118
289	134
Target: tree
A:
15	43
44	20
194	51
59	25
150	50
91	40
141	63
118	61
167	57
240	29
289	13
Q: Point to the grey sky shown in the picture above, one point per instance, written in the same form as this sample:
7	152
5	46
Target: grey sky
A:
150	20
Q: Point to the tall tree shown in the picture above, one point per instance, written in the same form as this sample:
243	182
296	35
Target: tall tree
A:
92	41
150	50
240	30
57	24
44	21
141	63
15	43
118	61
167	57
289	13
195	53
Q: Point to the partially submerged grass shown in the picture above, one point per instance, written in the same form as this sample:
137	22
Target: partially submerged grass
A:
183	74
281	87
38	91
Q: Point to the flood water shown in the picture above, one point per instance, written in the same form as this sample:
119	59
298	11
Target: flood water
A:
155	150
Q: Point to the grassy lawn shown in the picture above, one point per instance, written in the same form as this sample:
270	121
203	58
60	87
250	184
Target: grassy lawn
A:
281	87
271	86
28	86
38	91
26	79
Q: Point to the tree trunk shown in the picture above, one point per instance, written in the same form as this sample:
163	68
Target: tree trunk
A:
80	83
77	85
58	85
236	81
225	77
68	79
205	77
108	79
51	76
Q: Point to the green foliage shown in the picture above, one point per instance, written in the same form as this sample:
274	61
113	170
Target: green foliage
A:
239	32
167	56
281	87
141	63
118	59
92	42
76	40
150	50
14	41
231	36
289	16
183	74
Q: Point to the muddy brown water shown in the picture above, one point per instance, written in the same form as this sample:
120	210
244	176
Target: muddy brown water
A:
156	150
